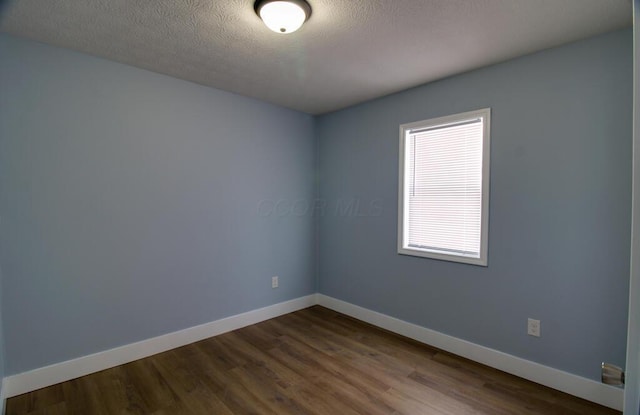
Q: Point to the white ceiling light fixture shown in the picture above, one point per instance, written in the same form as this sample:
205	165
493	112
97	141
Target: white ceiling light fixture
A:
283	16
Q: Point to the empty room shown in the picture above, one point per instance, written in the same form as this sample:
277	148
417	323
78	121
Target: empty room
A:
319	207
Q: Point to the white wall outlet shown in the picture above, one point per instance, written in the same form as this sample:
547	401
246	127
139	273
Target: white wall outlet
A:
274	282
533	327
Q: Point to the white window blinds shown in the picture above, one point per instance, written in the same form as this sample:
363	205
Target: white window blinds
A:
443	186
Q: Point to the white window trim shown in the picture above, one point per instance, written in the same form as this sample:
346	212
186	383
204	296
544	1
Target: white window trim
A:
403	191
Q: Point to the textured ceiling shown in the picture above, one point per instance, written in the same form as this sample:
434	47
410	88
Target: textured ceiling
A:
348	52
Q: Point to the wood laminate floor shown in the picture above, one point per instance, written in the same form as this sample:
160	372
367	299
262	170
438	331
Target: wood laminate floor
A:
313	361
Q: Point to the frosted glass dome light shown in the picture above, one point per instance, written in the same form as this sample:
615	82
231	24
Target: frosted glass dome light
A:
283	16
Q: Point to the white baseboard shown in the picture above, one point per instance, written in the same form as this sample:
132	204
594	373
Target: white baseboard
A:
557	379
3	396
581	387
60	372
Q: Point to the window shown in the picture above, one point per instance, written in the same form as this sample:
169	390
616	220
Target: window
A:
444	188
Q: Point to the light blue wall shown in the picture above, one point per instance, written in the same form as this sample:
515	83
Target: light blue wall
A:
632	388
559	216
129	204
134	204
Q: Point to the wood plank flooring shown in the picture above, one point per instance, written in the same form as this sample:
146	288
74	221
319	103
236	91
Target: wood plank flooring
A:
313	361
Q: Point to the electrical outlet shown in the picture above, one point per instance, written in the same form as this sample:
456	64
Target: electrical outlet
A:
274	282
533	327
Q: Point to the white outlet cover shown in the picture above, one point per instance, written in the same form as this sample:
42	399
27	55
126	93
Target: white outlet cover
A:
274	282
533	327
